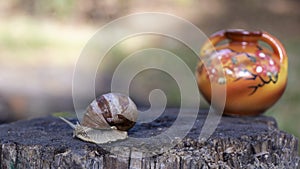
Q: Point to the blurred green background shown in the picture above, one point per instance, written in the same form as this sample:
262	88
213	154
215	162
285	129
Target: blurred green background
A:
40	41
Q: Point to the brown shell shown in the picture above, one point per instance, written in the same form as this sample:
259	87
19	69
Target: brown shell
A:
108	110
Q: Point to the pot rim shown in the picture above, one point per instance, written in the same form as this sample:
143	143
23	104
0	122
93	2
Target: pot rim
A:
242	32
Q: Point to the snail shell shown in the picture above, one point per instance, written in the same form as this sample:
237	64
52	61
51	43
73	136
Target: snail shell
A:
112	109
107	119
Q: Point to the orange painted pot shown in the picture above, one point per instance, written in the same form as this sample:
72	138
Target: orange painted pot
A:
254	76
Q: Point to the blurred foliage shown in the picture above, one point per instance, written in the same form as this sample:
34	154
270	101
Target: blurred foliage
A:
209	15
43	8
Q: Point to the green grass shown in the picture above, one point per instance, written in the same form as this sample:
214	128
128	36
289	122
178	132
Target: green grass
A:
26	33
64	114
24	40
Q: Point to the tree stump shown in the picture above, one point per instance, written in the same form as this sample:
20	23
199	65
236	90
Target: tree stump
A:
247	142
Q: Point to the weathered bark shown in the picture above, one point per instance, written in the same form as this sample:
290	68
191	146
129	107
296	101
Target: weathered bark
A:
248	142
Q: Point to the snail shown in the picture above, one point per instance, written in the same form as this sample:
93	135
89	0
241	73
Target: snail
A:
106	119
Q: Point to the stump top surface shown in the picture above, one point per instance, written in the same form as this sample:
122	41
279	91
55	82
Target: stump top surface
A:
237	142
51	131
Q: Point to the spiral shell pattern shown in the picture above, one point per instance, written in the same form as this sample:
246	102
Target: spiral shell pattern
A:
111	110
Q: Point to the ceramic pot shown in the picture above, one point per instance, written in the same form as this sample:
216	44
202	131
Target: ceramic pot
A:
254	75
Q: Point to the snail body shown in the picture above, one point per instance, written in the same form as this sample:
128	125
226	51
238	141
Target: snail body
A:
107	119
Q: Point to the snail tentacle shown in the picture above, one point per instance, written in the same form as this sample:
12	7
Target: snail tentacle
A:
68	122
